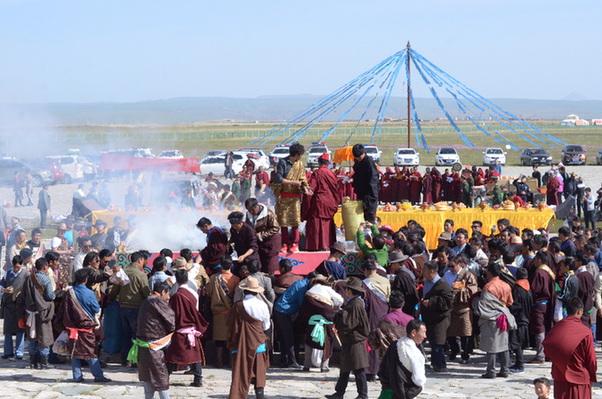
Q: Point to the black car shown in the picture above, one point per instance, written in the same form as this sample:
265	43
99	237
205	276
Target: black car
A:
535	156
10	166
574	154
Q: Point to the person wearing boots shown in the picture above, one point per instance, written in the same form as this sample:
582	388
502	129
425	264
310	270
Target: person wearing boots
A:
353	327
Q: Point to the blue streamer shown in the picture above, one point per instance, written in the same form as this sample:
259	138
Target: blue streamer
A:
350	92
462	107
387	95
493	113
507	115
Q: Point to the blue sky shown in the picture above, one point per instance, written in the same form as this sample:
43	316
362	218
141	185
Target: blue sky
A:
138	50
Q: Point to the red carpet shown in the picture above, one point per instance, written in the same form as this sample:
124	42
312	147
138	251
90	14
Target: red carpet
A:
303	262
306	262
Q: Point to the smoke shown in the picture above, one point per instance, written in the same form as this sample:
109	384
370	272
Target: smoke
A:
173	228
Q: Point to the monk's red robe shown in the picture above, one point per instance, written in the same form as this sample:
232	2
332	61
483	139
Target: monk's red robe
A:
570	346
320	231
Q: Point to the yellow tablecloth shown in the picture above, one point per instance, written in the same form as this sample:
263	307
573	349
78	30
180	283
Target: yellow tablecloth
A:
432	221
107	215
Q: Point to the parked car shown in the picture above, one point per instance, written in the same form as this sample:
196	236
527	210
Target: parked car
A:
215	152
373	152
258	156
406	157
171	154
75	167
574	154
216	164
535	156
599	158
447	156
10	166
314	153
494	155
279	152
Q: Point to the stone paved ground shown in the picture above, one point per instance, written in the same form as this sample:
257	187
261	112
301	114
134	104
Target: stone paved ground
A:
462	381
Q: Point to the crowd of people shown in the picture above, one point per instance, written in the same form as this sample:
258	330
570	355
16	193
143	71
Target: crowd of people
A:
238	303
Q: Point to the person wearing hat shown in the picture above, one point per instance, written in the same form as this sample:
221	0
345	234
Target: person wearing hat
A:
353	327
243	238
249	319
322	204
404	281
332	266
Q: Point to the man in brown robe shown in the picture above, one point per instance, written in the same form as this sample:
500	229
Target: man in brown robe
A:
353	327
156	324
267	229
320	231
186	347
570	346
542	289
249	319
220	292
427	187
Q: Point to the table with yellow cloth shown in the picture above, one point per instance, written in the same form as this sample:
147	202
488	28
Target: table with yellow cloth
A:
432	220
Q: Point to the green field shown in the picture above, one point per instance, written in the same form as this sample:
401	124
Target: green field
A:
197	139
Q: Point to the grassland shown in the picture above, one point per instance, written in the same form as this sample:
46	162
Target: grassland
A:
197	139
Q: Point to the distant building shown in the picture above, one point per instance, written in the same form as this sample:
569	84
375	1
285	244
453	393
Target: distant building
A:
574	120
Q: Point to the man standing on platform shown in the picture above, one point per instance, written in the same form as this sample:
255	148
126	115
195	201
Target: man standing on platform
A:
570	346
320	231
269	239
415	186
365	182
288	185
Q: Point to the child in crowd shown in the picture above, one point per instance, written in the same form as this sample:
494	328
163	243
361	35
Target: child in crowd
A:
542	387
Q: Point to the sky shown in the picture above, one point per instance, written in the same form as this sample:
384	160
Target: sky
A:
122	51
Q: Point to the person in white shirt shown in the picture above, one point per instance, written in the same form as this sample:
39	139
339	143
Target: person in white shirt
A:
402	372
589	208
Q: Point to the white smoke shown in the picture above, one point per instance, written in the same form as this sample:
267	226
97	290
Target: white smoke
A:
173	228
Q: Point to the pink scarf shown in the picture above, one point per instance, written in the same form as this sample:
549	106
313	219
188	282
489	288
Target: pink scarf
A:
191	334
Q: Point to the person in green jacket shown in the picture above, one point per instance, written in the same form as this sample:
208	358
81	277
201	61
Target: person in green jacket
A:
379	250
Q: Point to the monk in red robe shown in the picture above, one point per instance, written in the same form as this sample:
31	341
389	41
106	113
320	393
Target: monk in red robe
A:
186	348
436	184
552	192
320	231
403	185
456	187
427	187
570	346
415	185
447	186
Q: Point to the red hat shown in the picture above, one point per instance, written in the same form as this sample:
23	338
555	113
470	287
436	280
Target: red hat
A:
325	157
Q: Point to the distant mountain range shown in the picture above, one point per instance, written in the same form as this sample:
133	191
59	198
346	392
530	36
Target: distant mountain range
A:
264	109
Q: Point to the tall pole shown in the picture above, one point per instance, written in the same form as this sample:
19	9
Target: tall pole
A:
408	55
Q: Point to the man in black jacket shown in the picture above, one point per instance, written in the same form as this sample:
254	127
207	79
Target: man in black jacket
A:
365	182
435	308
